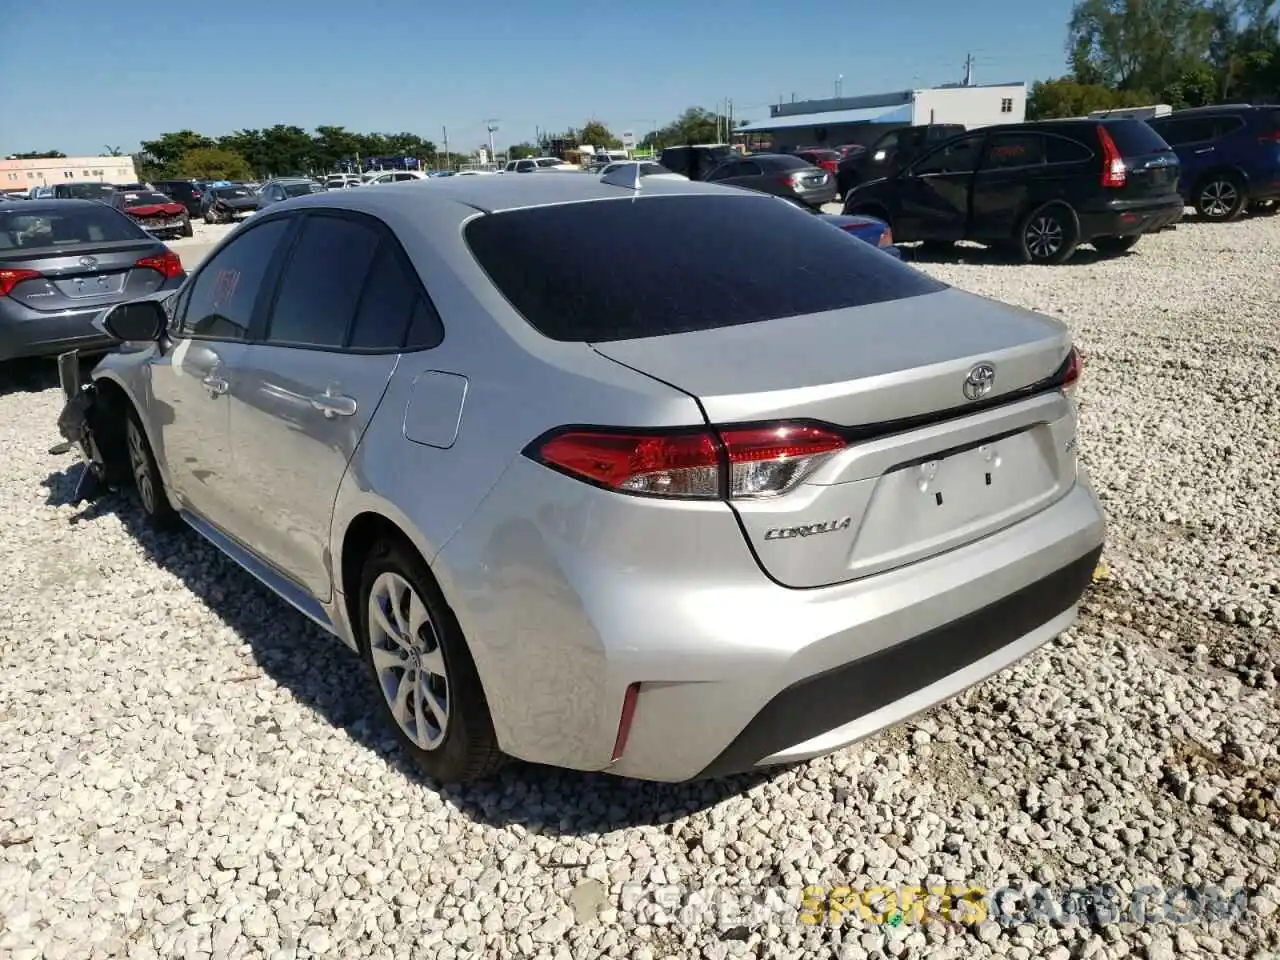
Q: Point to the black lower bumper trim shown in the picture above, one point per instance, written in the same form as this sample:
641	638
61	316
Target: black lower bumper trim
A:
842	694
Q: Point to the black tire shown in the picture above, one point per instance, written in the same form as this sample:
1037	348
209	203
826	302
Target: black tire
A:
145	475
208	217
1048	235
467	749
187	229
1264	208
1114	246
1220	197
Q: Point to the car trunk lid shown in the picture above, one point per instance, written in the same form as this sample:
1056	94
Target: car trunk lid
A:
928	466
83	275
1151	165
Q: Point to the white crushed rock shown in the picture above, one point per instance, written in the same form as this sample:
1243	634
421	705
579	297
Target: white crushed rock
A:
188	768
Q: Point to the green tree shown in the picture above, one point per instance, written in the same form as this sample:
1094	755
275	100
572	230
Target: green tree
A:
520	151
37	155
1065	97
695	125
598	135
166	150
213	163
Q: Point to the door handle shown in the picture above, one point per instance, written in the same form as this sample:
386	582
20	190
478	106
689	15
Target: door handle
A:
334	404
1205	150
215	385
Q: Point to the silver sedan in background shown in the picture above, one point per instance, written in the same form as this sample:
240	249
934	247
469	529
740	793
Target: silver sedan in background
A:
741	496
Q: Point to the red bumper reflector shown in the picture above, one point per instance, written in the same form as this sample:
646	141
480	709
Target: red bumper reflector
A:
624	722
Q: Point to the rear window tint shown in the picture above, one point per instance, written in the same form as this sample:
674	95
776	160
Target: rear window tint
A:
22	228
1134	138
678	264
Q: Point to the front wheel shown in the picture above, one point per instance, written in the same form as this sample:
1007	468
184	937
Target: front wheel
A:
145	473
1047	236
1220	198
1114	246
418	659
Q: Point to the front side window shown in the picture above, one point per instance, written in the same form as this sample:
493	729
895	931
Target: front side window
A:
957	156
226	289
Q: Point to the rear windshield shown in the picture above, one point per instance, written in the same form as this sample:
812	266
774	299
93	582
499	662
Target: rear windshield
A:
1271	121
1133	138
782	162
231	191
143	199
23	228
677	264
299	189
86	191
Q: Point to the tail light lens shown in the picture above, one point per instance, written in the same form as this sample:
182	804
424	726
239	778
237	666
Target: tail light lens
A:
11	278
1272	136
886	238
1114	171
731	463
1072	376
167	263
831	166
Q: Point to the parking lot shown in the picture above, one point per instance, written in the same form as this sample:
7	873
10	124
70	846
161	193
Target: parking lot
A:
187	767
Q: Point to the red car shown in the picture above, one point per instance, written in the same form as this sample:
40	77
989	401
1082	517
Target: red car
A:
159	215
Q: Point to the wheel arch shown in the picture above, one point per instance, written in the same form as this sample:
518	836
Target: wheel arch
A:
1217	171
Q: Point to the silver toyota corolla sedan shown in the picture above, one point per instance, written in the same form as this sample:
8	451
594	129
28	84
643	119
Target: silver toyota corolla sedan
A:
650	476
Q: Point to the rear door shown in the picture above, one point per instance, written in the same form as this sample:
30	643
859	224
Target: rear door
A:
934	193
1192	140
1012	175
303	393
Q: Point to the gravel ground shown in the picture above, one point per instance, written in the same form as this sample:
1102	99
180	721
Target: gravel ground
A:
187	768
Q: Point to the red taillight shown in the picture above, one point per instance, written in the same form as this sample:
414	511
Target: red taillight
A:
1114	172
831	166
167	263
11	278
624	721
1074	368
1271	137
735	462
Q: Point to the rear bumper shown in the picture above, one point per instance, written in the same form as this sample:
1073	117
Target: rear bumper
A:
49	335
582	598
1124	218
816	198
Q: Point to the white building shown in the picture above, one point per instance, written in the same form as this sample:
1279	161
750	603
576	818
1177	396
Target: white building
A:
842	120
45	172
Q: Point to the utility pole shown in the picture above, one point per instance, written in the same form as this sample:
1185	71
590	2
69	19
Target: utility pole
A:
839	85
445	131
968	70
491	125
731	121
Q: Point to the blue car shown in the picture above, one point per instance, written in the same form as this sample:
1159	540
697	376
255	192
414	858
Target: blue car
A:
873	231
1229	155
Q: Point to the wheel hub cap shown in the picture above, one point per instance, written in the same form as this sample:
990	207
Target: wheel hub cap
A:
409	661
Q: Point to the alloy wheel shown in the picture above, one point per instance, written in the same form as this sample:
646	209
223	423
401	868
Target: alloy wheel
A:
1044	237
1219	198
140	467
408	660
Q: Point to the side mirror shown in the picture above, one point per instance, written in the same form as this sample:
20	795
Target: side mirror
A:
138	321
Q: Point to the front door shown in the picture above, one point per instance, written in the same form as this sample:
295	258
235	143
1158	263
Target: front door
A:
933	198
302	397
190	383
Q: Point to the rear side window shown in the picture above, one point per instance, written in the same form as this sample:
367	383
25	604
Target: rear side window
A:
1222	126
392	303
1064	150
1014	150
1135	138
322	282
683	263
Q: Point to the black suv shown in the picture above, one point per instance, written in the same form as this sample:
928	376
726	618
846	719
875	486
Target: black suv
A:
185	192
696	161
1039	188
1230	157
890	153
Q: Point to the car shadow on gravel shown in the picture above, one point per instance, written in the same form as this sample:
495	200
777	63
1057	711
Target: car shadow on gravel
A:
975	255
326	676
37	374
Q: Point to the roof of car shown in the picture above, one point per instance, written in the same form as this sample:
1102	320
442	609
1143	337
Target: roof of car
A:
493	194
52	204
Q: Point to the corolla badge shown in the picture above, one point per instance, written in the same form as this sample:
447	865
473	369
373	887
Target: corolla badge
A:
88	262
980	380
808	529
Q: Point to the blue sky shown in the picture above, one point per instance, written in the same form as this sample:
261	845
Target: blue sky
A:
82	74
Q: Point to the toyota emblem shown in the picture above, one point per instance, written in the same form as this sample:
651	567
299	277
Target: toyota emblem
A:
88	262
980	381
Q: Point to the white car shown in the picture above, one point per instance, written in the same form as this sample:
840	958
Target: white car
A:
541	165
394	176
